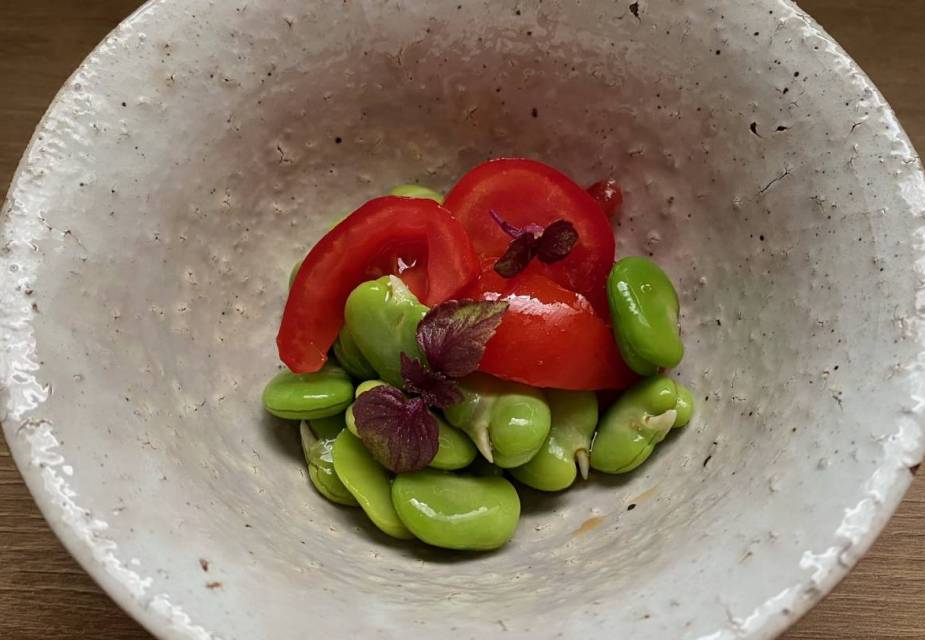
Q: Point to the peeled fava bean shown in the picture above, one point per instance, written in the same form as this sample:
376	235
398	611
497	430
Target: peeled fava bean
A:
363	387
637	422
567	449
307	396
416	191
368	482
685	406
327	428
321	467
383	316
644	308
507	421
350	357
455	450
456	511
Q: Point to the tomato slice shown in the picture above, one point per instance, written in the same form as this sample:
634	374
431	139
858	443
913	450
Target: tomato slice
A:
550	337
609	196
415	239
523	192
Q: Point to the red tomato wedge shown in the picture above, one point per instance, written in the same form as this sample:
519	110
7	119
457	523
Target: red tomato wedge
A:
609	196
524	192
415	239
549	337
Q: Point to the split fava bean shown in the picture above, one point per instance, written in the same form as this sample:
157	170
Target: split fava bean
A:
383	317
368	482
321	466
574	418
637	422
507	421
306	396
645	309
456	511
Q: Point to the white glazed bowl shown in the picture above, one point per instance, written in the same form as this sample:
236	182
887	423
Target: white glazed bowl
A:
193	158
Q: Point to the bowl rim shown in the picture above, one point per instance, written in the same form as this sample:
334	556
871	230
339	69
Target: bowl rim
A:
169	621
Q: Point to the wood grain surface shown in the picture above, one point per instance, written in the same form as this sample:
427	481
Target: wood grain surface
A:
45	594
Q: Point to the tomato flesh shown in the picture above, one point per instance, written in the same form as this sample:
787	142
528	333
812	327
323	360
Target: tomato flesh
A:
527	192
415	239
549	337
608	195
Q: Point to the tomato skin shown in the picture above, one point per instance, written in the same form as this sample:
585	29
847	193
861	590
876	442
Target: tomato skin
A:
383	236
549	337
608	195
525	191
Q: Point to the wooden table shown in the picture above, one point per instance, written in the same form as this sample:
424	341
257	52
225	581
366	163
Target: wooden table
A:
45	594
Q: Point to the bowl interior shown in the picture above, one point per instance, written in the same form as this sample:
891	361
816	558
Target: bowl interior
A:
204	148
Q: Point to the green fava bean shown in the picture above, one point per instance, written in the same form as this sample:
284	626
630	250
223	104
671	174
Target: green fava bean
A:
574	418
519	426
363	387
321	468
306	396
634	425
685	406
328	428
383	317
455	450
507	421
366	385
368	482
416	191
644	307
457	512
350	357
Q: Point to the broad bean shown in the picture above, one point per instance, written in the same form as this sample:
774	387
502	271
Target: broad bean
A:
328	428
368	482
637	422
416	191
644	307
507	421
454	451
350	357
363	387
306	396
685	406
455	511
383	316
321	472
574	418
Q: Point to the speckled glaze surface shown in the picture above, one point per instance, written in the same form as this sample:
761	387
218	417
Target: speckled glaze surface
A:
204	146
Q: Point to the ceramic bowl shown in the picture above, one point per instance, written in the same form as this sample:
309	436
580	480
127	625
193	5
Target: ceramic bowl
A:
204	146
